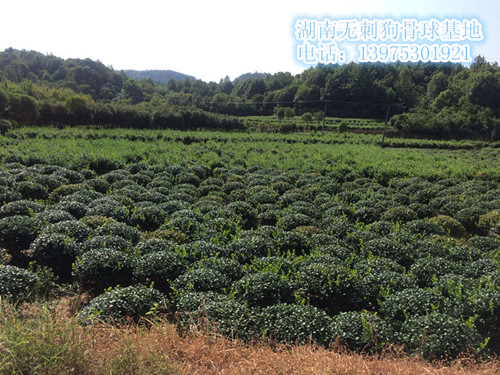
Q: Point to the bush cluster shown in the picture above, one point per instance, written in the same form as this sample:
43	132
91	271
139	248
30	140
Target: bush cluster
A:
292	256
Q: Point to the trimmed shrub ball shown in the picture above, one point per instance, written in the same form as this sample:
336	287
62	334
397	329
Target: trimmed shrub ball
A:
296	324
17	284
116	305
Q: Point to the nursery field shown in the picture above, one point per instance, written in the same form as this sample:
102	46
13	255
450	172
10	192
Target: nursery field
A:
299	238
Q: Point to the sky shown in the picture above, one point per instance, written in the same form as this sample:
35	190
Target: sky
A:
209	39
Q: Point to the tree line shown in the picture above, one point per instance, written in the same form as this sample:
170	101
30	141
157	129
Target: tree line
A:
438	99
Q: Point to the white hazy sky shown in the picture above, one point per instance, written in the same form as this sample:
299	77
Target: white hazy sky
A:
207	39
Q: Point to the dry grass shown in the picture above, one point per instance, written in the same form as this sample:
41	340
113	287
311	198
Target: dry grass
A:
46	340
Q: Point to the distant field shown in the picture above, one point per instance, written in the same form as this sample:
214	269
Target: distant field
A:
301	151
331	123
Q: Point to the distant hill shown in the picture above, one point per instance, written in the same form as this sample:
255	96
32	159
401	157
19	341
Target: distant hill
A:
159	76
246	76
82	75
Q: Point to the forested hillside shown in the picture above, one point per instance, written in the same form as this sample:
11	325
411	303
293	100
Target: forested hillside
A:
439	100
158	76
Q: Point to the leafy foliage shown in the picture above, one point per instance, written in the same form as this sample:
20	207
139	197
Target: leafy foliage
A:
117	304
16	284
296	324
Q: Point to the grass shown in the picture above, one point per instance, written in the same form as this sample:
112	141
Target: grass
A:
44	338
77	146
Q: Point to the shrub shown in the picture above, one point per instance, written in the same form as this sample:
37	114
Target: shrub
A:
466	298
17	233
228	267
465	255
99	184
362	330
54	216
404	304
201	249
328	285
117	304
231	186
425	247
339	228
16	284
201	280
342	127
31	190
290	197
188	178
152	197
170	235
317	239
87	197
296	324
293	242
64	190
450	225
172	206
337	213
268	216
382	227
391	248
485	244
73	229
208	206
122	230
264	289
488	220
182	196
73	177
219	229
5	126
185	221
291	221
251	244
76	209
469	216
244	210
160	181
107	242
495	230
369	215
149	217
482	305
437	336
22	207
96	221
424	227
56	251
422	210
101	268
399	214
159	267
230	317
426	270
153	245
274	264
376	283
109	207
281	187
262	196
304	208
481	267
8	195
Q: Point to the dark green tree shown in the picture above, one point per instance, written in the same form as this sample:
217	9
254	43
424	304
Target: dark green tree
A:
80	108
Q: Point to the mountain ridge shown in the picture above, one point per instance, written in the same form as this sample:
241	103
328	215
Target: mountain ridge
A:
161	76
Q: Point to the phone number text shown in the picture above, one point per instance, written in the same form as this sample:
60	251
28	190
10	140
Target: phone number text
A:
414	52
